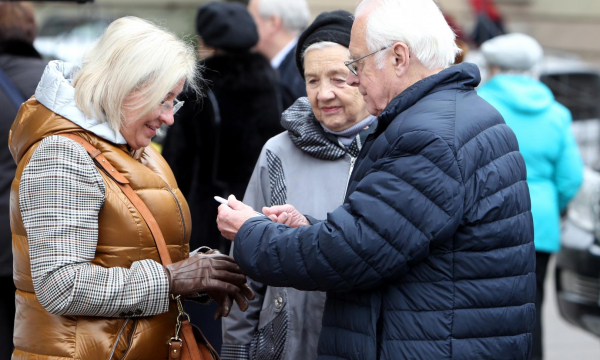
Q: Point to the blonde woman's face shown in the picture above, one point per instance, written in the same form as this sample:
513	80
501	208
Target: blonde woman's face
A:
335	104
138	133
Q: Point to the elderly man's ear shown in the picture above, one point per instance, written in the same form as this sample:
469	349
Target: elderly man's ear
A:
401	58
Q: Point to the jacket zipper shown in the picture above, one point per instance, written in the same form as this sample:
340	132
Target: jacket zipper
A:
179	208
112	354
135	322
352	160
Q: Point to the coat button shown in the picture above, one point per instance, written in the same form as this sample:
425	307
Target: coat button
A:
138	311
278	302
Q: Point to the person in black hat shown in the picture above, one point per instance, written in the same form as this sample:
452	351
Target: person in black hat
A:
307	166
216	140
226	27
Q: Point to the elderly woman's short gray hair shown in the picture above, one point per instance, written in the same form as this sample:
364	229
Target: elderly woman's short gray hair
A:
133	56
321	45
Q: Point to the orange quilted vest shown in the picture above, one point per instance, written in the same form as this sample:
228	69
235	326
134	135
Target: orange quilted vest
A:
123	237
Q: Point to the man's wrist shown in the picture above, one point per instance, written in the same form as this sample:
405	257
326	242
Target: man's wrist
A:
311	220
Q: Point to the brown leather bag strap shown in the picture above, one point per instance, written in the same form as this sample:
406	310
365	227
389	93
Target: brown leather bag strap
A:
191	350
123	183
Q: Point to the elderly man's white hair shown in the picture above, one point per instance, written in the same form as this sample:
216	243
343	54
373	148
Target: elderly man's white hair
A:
294	14
417	23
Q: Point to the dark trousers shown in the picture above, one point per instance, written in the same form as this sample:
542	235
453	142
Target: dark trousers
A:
7	316
203	317
541	268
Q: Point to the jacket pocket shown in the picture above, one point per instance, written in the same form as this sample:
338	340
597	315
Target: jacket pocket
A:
123	340
270	340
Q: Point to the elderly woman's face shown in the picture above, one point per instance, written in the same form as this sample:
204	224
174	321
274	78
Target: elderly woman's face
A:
139	133
335	104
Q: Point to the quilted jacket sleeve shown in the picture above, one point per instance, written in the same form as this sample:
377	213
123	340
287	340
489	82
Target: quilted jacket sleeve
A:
409	201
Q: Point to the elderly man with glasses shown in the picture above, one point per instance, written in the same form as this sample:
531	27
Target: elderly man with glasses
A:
431	255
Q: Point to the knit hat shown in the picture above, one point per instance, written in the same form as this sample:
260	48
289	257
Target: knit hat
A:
227	26
512	52
334	26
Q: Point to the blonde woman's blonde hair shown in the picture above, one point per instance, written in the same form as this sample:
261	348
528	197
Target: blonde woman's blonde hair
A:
133	57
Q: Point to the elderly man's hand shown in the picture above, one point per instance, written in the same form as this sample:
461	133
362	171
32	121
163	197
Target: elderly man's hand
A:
286	214
231	218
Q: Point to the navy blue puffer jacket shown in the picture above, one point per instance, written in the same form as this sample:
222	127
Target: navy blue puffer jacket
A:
431	256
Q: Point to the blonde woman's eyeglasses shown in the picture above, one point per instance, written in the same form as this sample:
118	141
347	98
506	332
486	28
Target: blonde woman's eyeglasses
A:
166	106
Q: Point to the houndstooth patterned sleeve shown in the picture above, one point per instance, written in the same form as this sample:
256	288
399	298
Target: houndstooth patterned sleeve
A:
60	195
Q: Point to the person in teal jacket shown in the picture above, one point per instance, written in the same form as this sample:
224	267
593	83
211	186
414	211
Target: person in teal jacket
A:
543	130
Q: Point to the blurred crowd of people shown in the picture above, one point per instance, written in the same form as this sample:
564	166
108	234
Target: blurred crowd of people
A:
434	194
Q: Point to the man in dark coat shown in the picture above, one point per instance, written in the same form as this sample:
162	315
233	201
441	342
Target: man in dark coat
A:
431	255
279	23
22	69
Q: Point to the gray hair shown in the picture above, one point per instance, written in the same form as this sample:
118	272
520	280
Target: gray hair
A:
320	45
513	52
417	23
132	56
294	14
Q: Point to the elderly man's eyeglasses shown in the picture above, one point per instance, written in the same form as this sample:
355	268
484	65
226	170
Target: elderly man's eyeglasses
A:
351	64
166	106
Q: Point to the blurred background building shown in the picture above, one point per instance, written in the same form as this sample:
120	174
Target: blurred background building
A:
563	25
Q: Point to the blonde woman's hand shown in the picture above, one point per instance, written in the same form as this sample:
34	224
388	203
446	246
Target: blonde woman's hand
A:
214	273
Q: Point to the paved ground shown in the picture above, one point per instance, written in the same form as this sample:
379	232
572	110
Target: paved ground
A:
562	340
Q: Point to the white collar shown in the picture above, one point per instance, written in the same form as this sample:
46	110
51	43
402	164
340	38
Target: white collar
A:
278	59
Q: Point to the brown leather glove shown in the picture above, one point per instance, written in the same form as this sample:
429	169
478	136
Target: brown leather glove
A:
214	273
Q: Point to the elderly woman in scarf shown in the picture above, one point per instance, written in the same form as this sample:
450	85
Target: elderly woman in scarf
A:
308	166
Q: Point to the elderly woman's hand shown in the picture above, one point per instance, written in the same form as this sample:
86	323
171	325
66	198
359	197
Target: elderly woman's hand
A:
231	217
286	214
214	273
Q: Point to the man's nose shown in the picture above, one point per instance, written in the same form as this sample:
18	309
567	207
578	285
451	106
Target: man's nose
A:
352	79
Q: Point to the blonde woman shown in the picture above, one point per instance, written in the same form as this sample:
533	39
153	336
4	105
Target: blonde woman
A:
89	280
